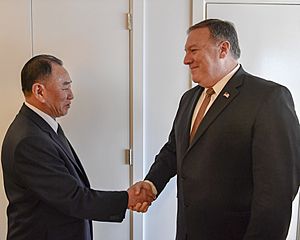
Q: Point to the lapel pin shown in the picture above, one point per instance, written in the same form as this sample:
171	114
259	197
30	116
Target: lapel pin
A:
226	94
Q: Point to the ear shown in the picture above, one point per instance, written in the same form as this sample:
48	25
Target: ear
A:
39	90
224	49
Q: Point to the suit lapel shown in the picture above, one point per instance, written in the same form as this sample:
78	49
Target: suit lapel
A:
187	117
72	156
228	93
79	165
53	135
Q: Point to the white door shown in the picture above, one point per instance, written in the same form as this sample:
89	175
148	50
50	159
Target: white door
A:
269	35
92	40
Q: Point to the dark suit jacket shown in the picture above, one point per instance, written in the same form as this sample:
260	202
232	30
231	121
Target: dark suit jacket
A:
238	177
48	191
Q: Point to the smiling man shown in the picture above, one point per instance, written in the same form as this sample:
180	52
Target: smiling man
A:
234	146
47	188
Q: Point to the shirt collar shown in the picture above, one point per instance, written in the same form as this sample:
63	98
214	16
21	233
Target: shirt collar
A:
51	121
221	84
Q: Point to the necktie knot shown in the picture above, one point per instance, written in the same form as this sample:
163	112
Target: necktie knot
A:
210	91
60	131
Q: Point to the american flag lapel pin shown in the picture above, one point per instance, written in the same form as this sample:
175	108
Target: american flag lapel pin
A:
226	94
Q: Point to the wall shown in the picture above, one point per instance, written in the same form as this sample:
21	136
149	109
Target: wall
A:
165	27
166	78
99	132
13	55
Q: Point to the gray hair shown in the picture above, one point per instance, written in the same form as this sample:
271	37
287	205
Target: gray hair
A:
221	30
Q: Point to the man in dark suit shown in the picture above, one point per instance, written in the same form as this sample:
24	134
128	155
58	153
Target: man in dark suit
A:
47	188
234	146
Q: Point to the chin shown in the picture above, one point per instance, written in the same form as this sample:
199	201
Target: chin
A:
64	113
195	81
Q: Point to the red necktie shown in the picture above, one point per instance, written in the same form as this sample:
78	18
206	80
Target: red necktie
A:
200	114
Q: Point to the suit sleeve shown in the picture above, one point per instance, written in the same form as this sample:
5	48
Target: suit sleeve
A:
164	166
276	156
43	172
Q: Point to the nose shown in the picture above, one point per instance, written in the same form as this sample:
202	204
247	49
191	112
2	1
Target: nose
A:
187	58
70	95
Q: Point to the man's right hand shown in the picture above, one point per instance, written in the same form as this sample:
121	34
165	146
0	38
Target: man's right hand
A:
140	196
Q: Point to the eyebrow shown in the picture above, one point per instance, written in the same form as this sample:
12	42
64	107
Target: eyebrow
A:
67	82
190	46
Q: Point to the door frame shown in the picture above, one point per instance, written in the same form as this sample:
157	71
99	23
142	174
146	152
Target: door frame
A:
197	15
137	105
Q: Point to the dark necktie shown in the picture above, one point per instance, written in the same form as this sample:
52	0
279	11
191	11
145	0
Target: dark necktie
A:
75	160
63	139
200	114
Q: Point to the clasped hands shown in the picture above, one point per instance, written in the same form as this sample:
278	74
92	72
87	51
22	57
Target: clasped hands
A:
140	196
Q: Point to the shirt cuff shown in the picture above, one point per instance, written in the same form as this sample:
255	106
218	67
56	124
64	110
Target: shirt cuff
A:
152	187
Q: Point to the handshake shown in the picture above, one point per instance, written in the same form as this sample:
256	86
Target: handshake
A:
140	196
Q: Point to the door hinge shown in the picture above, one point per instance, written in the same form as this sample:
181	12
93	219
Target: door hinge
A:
129	21
128	156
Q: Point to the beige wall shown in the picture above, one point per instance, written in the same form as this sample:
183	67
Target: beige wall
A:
14	25
160	79
166	80
162	36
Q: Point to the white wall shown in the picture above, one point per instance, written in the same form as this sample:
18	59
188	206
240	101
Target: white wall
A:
166	79
13	55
